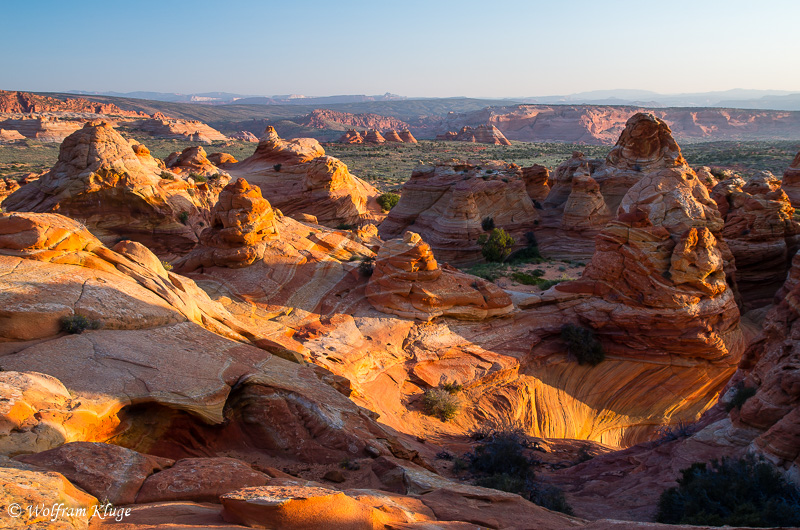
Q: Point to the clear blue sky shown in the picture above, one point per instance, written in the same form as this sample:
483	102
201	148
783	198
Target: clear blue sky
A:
492	48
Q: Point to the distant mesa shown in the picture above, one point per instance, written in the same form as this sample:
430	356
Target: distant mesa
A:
41	128
27	103
331	119
450	204
192	130
10	136
482	134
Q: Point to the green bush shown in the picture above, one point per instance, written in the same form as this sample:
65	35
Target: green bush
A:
441	403
277	167
582	343
743	492
197	177
167	175
551	498
366	267
183	217
344	226
77	324
387	201
166	264
740	395
453	388
503	482
497	246
487	224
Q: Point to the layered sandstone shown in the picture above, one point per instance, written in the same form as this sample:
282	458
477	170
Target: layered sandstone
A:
407	137
26	103
42	128
297	177
351	137
119	192
791	181
645	146
10	136
483	134
760	231
372	136
244	136
192	160
448	204
408	282
193	130
331	119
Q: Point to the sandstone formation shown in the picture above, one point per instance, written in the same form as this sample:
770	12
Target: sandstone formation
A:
392	136
483	134
193	130
26	103
244	136
221	159
447	204
101	180
10	136
9	185
408	282
192	161
331	119
351	137
570	223
43	129
297	177
760	231
791	181
537	182
602	125
372	136
407	137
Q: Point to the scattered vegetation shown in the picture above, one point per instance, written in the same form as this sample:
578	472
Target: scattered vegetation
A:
183	217
166	264
197	177
487	224
668	433
497	245
344	226
441	403
741	394
534	278
77	324
744	492
387	201
350	465
582	343
277	167
167	175
366	267
452	388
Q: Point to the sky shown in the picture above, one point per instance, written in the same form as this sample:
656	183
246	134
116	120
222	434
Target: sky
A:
435	48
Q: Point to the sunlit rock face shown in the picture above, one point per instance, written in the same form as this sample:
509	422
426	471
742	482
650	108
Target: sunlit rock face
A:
791	181
298	178
761	232
452	204
571	220
120	191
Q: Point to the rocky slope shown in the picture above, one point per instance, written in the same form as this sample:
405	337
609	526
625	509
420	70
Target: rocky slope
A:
448	203
192	130
25	103
42	128
296	177
119	192
791	181
331	119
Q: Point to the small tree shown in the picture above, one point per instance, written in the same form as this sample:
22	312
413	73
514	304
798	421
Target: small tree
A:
582	343
387	201
497	246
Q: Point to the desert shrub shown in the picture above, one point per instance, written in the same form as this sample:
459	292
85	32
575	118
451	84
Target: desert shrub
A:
166	264
348	464
550	497
387	201
167	175
497	246
183	217
582	343
441	403
740	395
487	271
487	224
743	492
452	388
77	324
444	455
344	226
366	267
277	167
668	433
197	177
503	482
532	278
501	451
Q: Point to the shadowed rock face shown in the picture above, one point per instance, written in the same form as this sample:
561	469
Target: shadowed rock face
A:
447	204
761	232
645	146
408	282
297	178
791	181
119	192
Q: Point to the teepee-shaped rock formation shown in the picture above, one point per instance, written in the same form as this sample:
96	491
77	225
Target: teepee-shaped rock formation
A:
645	146
391	136
298	178
791	181
452	204
371	136
118	192
408	282
407	137
351	137
482	134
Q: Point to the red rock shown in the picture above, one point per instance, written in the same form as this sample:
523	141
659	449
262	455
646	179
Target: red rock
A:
220	159
331	119
407	137
408	282
351	137
484	134
448	203
41	128
106	471
245	136
392	136
791	181
25	102
10	136
371	136
193	130
199	480
297	177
